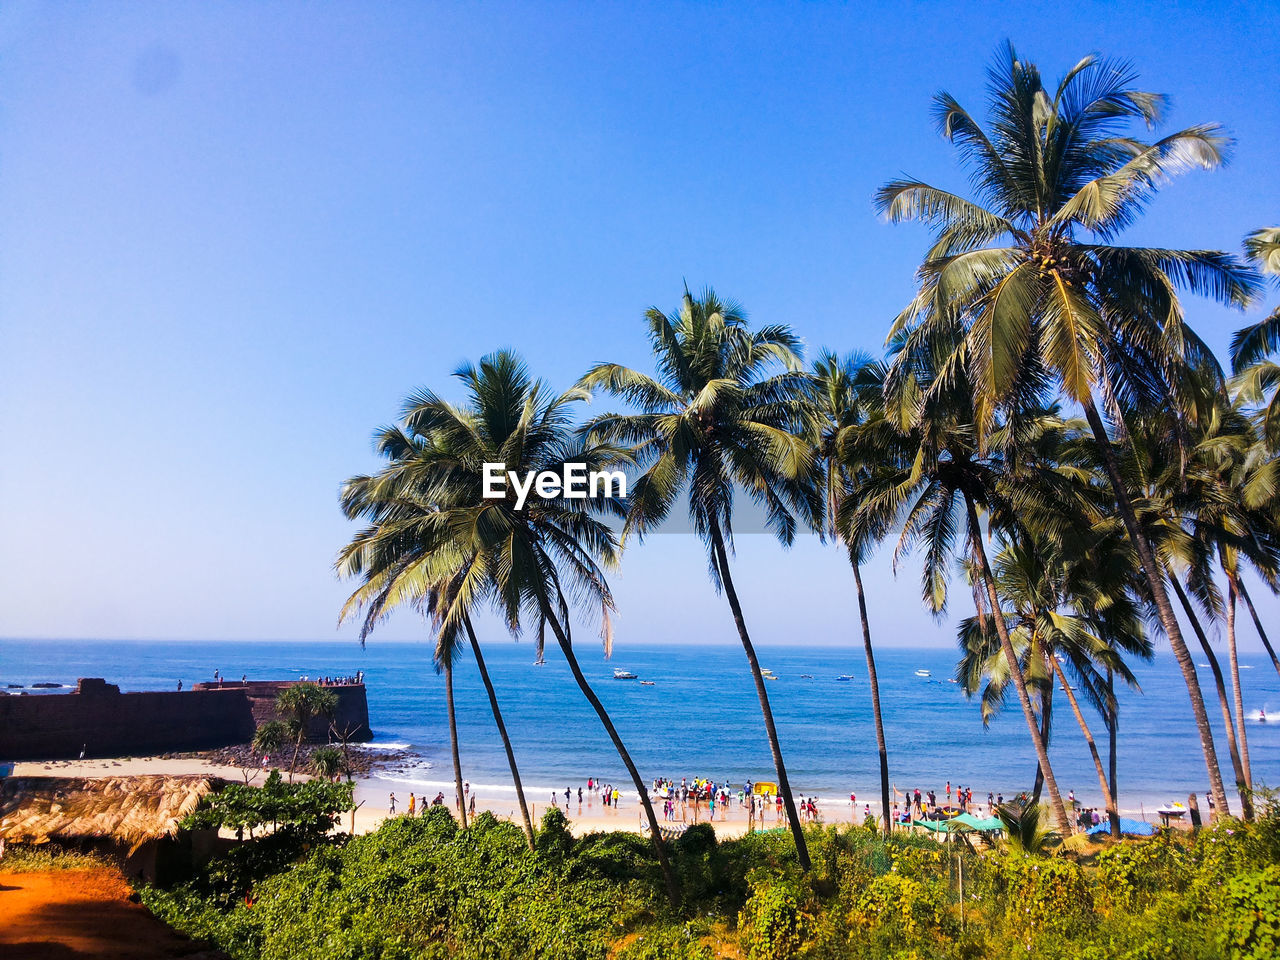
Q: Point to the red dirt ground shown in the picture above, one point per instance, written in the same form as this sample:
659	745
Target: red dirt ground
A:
70	914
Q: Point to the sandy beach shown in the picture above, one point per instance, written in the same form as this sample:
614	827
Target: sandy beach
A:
372	794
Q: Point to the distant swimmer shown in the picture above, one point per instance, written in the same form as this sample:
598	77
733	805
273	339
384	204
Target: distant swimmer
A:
1262	716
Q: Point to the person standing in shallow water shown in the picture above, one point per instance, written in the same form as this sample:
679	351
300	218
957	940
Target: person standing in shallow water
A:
391	805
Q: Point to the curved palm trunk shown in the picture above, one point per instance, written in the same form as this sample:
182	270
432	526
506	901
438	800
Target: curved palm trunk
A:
1046	730
1233	660
453	740
502	730
1221	687
1257	623
1168	619
1113	736
1112	813
655	834
875	697
784	785
1015	670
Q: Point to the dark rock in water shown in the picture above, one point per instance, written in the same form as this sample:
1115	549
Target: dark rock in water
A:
14	686
45	686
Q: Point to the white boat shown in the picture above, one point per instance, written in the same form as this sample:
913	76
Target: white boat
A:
923	673
623	675
844	678
766	671
646	683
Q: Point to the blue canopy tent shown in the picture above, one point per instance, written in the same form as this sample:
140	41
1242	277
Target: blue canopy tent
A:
1134	828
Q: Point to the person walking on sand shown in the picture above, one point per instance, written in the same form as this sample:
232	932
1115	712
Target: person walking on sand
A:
413	804
391	805
471	812
616	796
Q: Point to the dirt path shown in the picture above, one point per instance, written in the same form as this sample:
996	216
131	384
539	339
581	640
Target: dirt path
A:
68	914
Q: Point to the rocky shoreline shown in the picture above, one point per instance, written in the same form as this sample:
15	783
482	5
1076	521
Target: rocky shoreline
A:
363	762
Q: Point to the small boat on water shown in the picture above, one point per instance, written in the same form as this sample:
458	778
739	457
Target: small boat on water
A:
623	675
844	678
806	676
923	673
766	671
646	683
1262	716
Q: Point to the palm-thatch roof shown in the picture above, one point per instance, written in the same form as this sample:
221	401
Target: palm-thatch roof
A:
132	810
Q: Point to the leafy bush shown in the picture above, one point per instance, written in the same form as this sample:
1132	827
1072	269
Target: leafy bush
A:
1251	926
773	924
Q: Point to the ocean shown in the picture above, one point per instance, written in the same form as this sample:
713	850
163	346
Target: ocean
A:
700	718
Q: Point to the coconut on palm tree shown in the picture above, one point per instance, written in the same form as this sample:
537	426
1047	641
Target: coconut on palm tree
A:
725	416
1030	268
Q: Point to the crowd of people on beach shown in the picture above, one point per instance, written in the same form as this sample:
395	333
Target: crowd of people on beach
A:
697	800
417	806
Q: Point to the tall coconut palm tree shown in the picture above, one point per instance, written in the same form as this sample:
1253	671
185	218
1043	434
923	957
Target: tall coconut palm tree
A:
538	561
1030	268
1071	617
848	395
726	413
933	483
389	557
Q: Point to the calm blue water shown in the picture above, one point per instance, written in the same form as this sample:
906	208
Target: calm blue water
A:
701	717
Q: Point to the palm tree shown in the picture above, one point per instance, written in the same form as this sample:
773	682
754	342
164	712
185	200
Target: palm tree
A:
270	737
327	762
1030	269
1257	376
1076	613
395	556
1256	380
847	394
725	413
299	703
539	561
932	482
1024	829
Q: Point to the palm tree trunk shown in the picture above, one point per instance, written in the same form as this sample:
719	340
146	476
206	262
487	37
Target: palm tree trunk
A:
453	740
502	730
875	695
1112	813
1237	694
1113	738
784	785
1227	720
297	747
655	834
1257	623
1046	729
1015	670
1168	619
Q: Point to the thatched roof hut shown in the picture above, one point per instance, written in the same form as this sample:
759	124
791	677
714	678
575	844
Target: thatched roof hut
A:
127	810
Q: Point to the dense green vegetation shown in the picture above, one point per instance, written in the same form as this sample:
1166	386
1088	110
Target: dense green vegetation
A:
425	887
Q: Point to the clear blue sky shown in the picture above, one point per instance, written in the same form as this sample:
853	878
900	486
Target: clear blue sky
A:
234	235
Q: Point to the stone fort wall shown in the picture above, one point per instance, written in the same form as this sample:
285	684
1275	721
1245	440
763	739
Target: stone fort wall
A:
104	722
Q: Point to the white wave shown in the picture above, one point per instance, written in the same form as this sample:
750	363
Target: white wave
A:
383	745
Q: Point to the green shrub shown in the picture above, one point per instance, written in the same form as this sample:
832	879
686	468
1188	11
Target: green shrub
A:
773	925
1251	921
908	909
